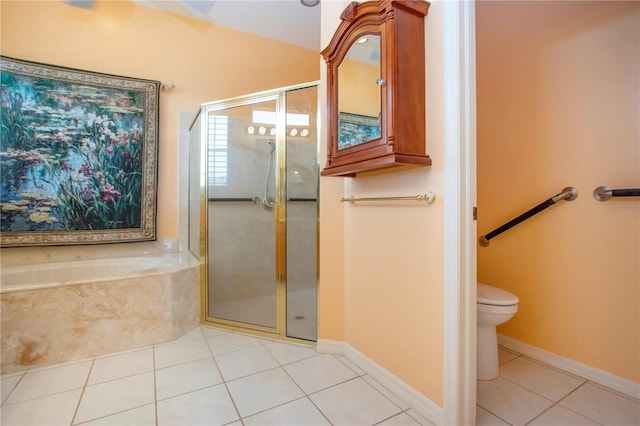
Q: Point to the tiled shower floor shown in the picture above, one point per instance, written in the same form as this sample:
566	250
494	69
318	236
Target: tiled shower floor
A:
261	310
215	377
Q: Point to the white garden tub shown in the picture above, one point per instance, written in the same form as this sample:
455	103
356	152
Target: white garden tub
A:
35	276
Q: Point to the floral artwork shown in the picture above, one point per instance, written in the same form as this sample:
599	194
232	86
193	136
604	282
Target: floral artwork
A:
355	129
77	156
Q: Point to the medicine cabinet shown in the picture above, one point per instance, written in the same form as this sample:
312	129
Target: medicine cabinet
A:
376	88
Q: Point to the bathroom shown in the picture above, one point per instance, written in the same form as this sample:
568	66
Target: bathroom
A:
352	292
562	104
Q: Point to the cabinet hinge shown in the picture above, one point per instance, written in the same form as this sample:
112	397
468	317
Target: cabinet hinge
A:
475	213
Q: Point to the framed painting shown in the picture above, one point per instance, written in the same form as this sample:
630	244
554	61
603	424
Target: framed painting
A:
78	156
354	129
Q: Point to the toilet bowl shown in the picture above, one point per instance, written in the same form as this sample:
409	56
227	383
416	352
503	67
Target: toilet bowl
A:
494	307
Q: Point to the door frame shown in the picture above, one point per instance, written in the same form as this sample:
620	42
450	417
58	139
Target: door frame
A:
460	248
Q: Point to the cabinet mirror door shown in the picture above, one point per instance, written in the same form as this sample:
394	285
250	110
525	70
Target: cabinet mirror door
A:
359	93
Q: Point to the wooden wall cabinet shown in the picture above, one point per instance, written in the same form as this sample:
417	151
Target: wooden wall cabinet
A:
376	88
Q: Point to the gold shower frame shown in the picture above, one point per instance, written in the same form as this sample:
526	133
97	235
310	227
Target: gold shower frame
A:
280	331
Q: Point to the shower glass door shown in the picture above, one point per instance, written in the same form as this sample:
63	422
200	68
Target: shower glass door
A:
302	173
241	207
260	157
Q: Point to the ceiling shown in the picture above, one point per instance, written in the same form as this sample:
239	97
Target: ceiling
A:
288	21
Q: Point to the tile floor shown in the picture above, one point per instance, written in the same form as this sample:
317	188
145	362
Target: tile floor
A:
213	377
206	377
530	393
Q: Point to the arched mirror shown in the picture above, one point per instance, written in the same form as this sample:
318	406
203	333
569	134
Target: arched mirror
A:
376	88
359	94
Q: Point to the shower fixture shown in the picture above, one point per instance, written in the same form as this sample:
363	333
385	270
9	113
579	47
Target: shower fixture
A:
268	205
271	290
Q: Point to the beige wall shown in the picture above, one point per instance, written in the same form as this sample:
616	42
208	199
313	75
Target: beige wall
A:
331	286
381	266
204	61
558	89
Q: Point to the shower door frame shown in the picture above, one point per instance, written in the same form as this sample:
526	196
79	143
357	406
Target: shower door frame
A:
280	211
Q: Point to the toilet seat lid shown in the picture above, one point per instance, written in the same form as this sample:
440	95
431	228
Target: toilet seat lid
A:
488	295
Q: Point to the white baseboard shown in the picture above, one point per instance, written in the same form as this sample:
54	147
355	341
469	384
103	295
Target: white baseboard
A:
414	399
593	374
334	347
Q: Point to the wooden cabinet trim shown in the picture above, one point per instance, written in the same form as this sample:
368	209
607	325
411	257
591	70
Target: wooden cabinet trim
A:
400	24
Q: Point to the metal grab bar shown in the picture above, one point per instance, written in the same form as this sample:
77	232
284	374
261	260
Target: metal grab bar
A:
232	199
568	194
603	193
255	200
429	197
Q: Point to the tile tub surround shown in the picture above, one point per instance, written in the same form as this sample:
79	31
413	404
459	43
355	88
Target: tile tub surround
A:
52	325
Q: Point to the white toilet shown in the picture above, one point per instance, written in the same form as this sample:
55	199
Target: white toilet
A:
495	307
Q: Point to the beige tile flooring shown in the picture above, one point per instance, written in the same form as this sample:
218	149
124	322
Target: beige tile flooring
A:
207	377
530	393
214	377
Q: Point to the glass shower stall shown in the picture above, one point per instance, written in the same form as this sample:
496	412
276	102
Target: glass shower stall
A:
253	219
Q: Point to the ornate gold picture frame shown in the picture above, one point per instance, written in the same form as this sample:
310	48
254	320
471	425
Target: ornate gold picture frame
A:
78	156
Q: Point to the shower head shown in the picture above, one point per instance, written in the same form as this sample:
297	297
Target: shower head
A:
261	144
272	144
